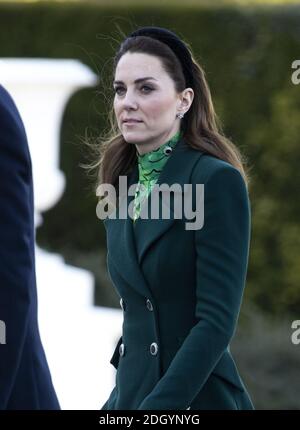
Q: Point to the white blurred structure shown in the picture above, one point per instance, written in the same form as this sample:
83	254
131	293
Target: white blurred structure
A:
78	337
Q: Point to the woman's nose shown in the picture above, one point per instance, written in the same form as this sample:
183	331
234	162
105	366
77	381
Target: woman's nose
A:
129	100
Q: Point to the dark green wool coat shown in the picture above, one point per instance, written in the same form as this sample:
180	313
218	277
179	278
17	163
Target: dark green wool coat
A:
181	292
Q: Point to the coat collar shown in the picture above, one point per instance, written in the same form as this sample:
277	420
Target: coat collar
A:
127	247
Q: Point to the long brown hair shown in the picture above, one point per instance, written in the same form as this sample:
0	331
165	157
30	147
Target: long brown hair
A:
200	126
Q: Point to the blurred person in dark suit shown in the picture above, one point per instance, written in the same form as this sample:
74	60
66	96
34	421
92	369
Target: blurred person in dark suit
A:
25	380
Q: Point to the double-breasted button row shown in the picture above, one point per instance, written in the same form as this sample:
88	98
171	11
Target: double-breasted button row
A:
148	304
153	349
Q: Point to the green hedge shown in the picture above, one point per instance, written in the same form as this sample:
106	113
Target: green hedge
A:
247	54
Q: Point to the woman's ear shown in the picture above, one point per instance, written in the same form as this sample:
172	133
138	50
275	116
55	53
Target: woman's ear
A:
186	98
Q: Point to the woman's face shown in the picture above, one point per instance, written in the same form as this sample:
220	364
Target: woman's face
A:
145	94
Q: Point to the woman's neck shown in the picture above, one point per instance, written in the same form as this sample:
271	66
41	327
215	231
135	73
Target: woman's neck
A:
144	148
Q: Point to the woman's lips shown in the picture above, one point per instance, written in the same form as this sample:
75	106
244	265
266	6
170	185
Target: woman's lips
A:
131	122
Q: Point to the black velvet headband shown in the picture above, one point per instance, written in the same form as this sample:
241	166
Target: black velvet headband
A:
174	42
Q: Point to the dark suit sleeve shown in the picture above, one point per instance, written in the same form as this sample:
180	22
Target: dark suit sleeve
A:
16	257
222	248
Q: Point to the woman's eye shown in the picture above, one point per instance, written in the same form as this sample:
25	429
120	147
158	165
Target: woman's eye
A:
144	89
148	89
117	89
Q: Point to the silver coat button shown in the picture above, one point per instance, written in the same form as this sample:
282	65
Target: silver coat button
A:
149	305
122	349
154	348
168	150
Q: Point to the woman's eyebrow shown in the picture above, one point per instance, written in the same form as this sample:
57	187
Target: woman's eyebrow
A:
137	80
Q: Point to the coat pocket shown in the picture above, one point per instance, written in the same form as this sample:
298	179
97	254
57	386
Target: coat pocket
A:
116	355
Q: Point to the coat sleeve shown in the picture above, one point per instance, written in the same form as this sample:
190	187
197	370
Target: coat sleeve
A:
222	248
16	229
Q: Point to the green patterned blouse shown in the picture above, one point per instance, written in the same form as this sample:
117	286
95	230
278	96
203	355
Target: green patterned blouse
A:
150	165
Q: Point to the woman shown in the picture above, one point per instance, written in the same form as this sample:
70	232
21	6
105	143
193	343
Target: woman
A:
180	289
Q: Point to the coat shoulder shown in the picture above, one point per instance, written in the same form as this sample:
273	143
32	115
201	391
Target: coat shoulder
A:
208	167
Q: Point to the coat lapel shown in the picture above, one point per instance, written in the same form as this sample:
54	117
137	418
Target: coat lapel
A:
127	243
177	170
121	247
